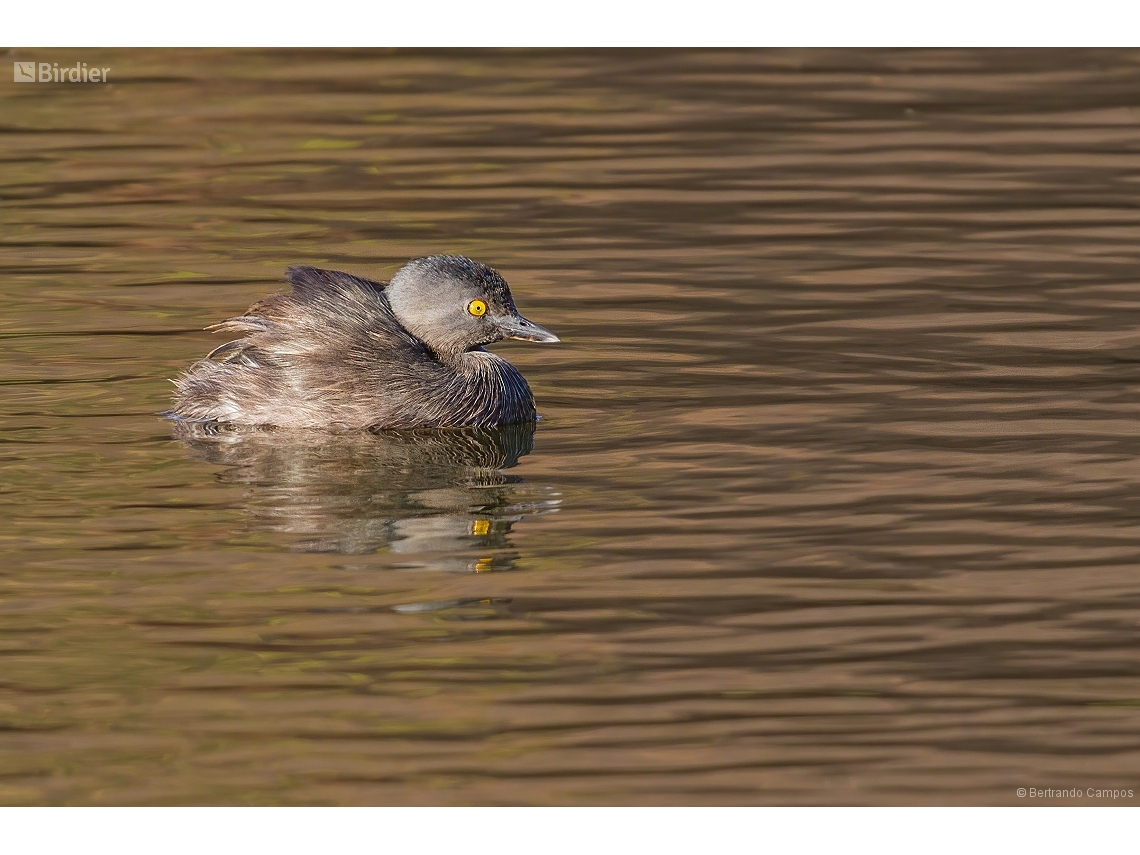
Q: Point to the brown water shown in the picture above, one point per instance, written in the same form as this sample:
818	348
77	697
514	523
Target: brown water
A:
836	494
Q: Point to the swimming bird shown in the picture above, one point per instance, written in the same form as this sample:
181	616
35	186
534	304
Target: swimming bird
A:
344	351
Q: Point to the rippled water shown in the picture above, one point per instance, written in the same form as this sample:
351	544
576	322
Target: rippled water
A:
836	494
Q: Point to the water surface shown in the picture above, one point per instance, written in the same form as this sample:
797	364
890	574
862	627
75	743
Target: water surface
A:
836	494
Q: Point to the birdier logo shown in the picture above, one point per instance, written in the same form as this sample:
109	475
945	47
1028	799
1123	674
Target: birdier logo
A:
50	72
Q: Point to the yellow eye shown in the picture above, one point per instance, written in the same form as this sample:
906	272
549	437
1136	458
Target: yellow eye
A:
477	307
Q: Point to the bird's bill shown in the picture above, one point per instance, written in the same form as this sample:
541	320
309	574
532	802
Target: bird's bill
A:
519	327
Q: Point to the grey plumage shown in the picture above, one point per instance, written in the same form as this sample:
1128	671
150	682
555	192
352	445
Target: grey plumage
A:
345	351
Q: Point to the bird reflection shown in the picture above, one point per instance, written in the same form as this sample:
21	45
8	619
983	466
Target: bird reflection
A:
440	498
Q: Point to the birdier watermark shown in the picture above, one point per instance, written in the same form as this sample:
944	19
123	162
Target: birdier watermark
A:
52	72
1091	793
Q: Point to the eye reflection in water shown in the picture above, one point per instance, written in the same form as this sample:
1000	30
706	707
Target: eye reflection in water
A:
440	498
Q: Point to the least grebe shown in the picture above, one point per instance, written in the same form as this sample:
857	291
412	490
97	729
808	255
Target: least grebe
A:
345	351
